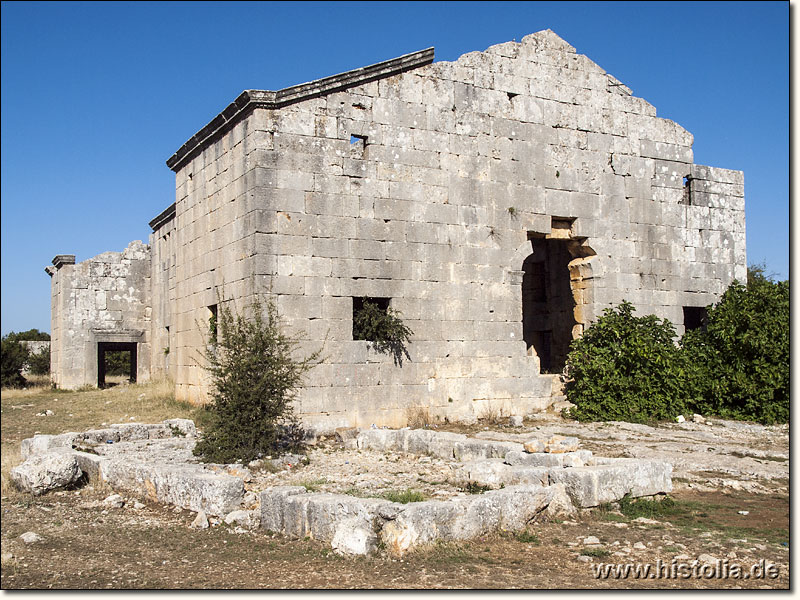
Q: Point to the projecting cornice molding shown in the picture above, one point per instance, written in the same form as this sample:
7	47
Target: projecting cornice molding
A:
251	99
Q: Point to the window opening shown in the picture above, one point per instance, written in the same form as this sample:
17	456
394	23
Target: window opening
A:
212	324
695	317
358	146
364	309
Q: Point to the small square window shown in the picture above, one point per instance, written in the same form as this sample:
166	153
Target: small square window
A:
362	308
694	317
358	146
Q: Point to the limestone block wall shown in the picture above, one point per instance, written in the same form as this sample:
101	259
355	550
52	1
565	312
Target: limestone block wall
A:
103	299
214	239
162	278
431	188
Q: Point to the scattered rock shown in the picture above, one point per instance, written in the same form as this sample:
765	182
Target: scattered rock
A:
639	546
698	418
114	501
680	419
45	413
515	421
559	444
708	559
7	557
744	512
200	521
138	505
646	521
44	472
591	541
534	446
29	537
246	519
584	558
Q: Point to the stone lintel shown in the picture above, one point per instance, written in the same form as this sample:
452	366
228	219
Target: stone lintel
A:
63	259
164	217
250	99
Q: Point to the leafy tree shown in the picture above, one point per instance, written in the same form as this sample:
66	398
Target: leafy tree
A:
254	378
14	356
626	368
32	335
740	360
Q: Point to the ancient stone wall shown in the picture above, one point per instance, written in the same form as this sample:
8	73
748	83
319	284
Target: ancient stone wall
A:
430	188
104	300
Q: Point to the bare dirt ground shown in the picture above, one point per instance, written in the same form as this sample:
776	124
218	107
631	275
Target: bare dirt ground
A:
721	470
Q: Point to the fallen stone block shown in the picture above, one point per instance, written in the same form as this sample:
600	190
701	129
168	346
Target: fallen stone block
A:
427	442
463	518
533	446
559	444
43	444
317	515
45	472
273	503
471	449
488	472
609	481
185	426
579	458
515	421
248	519
355	535
187	486
97	436
383	440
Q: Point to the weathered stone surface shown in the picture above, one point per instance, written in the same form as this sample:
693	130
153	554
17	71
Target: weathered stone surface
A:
31	537
480	449
188	486
579	458
355	535
515	421
247	519
611	479
200	521
42	444
45	472
559	444
533	445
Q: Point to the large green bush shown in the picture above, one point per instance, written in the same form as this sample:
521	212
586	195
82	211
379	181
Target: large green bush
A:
14	355
626	368
254	378
740	360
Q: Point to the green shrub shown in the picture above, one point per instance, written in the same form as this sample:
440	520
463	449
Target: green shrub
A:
254	378
739	362
626	368
385	328
39	363
14	356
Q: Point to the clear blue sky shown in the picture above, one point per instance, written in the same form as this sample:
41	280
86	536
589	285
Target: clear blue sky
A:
96	96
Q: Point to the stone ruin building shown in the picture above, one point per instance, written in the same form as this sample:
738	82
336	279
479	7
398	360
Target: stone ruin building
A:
499	202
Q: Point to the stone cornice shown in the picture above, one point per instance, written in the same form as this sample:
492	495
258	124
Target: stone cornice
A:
250	99
164	217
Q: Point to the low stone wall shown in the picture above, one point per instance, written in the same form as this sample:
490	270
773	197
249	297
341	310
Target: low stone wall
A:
522	482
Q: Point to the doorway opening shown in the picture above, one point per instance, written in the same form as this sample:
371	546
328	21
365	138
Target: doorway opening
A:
556	286
116	363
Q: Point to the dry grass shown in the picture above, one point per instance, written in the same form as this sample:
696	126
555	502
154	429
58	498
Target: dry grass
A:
418	417
79	411
493	413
